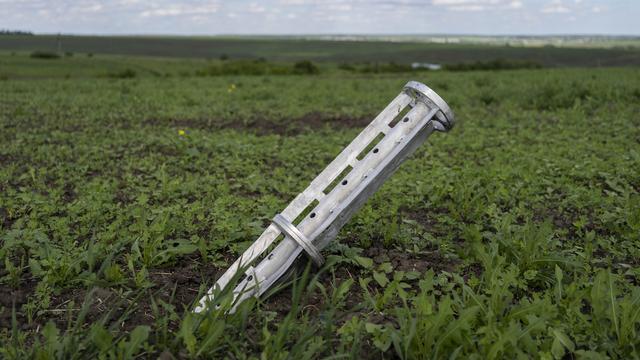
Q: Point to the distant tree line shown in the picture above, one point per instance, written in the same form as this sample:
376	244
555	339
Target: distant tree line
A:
14	32
391	67
258	67
497	64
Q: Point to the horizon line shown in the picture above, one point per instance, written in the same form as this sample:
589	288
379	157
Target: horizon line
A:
549	35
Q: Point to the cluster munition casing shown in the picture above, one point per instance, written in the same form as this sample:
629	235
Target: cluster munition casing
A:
338	191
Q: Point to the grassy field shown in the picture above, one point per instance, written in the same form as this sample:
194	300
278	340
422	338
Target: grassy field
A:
292	49
516	235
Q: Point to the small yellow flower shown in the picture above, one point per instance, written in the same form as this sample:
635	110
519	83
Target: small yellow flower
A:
231	88
181	132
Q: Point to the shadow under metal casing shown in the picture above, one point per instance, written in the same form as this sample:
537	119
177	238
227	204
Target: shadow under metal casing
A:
426	112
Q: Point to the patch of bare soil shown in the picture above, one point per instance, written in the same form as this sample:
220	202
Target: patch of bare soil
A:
354	303
427	219
180	284
14	298
177	286
310	122
405	261
5	159
5	219
400	260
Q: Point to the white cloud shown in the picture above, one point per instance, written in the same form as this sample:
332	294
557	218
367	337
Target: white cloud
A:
467	8
477	5
90	8
256	8
463	2
555	7
339	7
180	9
515	4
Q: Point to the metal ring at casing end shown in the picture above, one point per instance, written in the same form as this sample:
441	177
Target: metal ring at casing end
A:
290	230
422	92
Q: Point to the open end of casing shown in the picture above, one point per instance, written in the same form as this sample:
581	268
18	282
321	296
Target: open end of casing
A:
422	92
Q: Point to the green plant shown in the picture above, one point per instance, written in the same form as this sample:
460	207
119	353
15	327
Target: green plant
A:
46	55
305	67
122	74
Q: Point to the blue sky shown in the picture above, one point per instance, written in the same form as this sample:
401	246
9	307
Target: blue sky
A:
297	17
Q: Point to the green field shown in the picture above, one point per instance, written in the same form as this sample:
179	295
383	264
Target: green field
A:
122	198
293	49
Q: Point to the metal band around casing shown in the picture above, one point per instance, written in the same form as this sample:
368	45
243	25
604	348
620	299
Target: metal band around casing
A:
288	229
422	92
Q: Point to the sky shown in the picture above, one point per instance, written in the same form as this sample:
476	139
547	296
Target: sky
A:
302	17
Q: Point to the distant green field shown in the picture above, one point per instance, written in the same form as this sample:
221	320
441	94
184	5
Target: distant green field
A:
283	49
122	198
21	65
